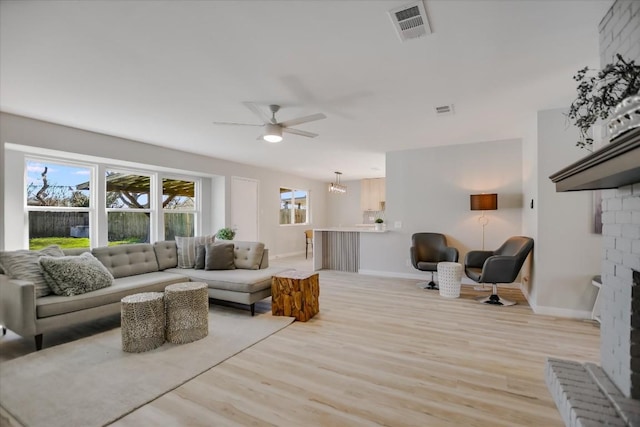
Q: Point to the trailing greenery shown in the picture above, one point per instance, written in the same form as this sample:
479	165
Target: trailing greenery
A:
225	234
599	93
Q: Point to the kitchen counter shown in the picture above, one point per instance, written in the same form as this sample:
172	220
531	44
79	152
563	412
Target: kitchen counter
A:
356	229
338	248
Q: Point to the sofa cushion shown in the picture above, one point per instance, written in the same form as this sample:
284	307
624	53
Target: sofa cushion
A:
219	256
166	254
248	281
53	305
75	275
248	255
127	260
201	255
187	249
23	264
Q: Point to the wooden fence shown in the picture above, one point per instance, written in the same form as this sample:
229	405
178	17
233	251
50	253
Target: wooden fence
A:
122	225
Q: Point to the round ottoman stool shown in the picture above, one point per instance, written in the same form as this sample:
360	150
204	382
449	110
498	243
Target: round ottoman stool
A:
142	321
187	311
449	278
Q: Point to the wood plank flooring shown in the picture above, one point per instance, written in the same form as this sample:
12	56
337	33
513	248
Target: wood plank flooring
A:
383	352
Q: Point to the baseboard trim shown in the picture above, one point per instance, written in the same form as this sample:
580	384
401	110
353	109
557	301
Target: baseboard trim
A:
423	277
560	312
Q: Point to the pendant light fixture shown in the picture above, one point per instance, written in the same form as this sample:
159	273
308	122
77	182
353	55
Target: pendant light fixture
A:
336	187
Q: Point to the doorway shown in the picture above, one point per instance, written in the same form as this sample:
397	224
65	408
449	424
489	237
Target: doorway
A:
244	208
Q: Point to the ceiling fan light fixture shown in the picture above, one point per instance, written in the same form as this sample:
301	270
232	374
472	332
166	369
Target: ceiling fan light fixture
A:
273	133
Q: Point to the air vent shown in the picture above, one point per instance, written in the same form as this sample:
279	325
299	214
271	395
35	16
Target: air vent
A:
410	21
444	110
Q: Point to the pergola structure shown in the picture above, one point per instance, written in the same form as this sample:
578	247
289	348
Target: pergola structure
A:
129	186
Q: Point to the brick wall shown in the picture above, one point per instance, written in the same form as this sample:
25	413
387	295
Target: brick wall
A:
620	33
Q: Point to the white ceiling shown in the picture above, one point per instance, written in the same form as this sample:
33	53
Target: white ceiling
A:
161	71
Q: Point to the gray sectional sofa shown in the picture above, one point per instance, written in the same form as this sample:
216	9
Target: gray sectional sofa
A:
135	268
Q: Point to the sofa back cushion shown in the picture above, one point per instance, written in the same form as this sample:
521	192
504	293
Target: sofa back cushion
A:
248	255
127	260
166	254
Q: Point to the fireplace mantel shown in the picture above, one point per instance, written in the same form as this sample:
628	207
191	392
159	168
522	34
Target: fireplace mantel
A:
615	165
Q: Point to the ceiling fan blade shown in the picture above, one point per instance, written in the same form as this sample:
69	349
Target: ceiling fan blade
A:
258	112
235	124
299	132
305	119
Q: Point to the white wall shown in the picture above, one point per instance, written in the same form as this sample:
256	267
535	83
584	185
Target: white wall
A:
343	210
34	133
567	253
428	190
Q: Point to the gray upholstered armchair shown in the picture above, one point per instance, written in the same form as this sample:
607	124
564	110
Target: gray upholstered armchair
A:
427	250
499	266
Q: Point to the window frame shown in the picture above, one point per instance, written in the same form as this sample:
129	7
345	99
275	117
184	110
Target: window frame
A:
197	201
91	209
292	200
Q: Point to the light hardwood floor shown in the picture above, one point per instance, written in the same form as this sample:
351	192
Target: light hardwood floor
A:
383	352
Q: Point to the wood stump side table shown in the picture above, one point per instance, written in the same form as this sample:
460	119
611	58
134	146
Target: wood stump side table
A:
142	321
187	311
295	294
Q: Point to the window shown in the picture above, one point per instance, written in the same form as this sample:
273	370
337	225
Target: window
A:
58	204
68	203
294	206
128	204
179	207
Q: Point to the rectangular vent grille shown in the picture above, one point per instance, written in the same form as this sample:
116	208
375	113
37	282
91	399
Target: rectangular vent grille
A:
410	21
444	110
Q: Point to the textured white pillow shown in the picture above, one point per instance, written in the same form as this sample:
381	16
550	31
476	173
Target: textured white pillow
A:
187	249
75	275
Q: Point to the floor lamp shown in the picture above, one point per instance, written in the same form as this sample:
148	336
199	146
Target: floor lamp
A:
483	202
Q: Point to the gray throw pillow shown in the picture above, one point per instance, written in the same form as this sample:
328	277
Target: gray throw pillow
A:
23	265
75	275
187	249
219	256
201	253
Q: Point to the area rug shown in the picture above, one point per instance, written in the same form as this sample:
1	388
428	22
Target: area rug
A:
92	382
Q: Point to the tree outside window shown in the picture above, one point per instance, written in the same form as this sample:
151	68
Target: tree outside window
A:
57	207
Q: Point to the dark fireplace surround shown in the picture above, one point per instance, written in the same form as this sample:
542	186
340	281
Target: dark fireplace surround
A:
609	394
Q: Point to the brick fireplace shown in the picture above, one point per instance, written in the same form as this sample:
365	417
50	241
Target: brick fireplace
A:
591	395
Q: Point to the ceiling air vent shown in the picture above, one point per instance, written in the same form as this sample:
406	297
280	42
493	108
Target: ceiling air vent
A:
444	110
410	21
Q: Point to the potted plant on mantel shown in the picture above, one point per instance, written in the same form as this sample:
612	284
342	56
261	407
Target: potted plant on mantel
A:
379	222
600	93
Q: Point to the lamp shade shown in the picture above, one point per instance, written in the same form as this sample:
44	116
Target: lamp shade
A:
484	202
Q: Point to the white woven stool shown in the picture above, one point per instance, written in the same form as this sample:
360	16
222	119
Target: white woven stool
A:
450	277
142	321
187	311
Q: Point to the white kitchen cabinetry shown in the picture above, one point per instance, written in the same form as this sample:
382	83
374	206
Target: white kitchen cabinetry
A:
372	194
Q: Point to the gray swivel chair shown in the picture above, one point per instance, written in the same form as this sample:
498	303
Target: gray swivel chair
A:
499	266
427	250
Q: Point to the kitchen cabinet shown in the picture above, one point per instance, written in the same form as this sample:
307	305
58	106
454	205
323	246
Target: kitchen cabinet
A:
372	194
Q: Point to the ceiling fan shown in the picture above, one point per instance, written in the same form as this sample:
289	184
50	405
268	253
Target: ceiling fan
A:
272	128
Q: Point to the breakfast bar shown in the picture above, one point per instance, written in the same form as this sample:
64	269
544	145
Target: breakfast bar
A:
338	248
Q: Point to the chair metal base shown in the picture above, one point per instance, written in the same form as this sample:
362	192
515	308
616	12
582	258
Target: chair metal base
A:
495	299
428	285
